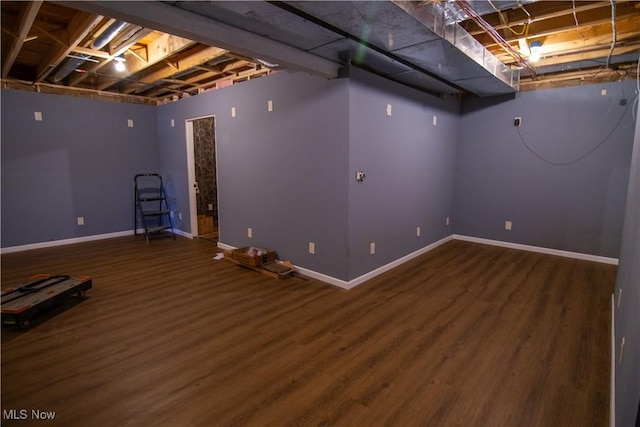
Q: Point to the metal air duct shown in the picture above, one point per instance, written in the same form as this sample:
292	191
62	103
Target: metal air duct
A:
101	41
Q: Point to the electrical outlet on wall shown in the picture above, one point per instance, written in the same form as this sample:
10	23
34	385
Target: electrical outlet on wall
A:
80	220
312	248
250	232
417	231
372	248
508	225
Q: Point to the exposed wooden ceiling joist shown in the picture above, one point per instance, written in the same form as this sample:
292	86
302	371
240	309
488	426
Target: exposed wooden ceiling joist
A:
175	49
27	16
159	50
79	27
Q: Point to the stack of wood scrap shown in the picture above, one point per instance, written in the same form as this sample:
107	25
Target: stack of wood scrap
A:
260	259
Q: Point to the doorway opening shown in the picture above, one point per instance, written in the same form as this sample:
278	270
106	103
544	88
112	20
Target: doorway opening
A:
203	177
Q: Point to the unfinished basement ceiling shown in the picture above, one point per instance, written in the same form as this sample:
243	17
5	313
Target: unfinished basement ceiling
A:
173	49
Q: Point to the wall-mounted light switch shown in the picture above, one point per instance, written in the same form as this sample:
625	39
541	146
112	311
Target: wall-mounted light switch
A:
372	248
389	110
80	220
250	232
312	248
270	105
37	115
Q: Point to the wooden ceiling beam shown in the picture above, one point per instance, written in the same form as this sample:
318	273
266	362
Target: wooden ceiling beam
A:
28	12
558	48
121	48
566	23
43	87
127	39
159	50
168	18
578	77
79	28
196	82
183	64
535	12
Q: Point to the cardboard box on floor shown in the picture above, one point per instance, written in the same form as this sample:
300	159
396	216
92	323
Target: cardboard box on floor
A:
265	263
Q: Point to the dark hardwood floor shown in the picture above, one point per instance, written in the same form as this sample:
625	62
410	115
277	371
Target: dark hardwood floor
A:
466	335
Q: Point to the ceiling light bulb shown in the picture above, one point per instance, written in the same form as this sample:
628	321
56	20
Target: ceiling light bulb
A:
535	48
120	67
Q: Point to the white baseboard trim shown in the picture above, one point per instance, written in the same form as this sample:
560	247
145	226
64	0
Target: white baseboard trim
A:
65	242
365	277
323	277
612	394
182	233
393	264
539	249
226	247
304	271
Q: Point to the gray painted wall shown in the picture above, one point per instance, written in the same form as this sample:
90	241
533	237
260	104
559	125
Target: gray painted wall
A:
289	174
78	161
627	322
409	167
577	207
282	173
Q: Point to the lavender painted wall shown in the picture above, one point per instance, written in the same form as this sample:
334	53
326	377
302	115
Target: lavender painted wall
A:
409	167
627	320
577	207
78	161
282	173
289	174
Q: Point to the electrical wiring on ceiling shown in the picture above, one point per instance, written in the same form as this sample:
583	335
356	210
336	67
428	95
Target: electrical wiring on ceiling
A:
614	29
575	18
505	22
584	39
493	33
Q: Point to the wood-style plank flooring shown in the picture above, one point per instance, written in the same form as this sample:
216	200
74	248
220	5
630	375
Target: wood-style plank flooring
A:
466	335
